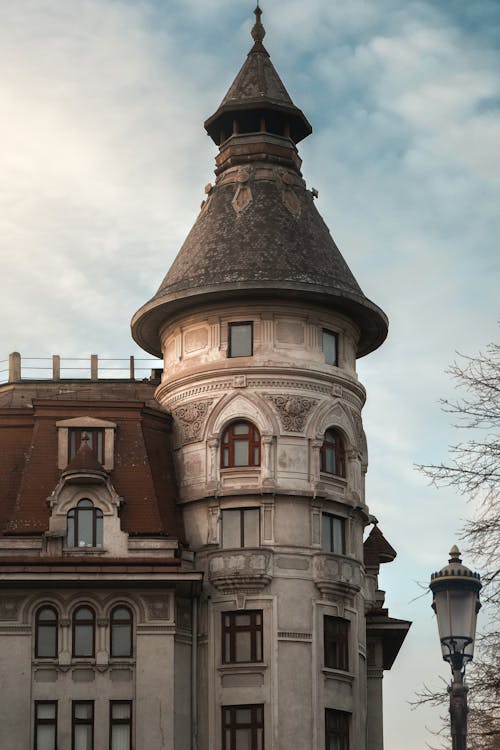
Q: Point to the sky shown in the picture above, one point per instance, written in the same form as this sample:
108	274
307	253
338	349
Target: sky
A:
104	161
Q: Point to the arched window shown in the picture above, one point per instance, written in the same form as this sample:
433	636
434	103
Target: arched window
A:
83	631
333	454
240	445
46	628
121	631
84	525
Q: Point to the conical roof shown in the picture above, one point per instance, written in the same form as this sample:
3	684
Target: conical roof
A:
259	234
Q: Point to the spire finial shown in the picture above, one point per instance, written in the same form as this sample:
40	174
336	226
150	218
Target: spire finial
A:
258	31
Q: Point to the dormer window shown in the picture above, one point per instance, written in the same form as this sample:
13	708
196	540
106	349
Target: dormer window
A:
94	439
84	525
240	339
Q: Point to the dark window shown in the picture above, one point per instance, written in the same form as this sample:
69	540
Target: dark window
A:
46	627
83	632
240	339
240	445
333	454
243	727
333	534
84	525
45	725
330	347
82	725
336	730
120	725
121	632
241	636
240	527
94	439
336	642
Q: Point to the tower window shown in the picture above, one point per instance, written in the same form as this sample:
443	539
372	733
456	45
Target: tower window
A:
336	642
45	725
241	527
330	347
95	441
241	636
333	454
121	632
240	339
333	534
336	730
243	727
240	445
84	525
83	633
46	627
82	725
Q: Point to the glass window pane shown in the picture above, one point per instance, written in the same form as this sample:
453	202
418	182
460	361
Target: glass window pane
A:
325	533
70	540
85	527
84	640
98	528
243	716
47	615
121	640
243	621
120	737
83	737
240	340
240	428
46	641
225	461
83	710
241	453
251	528
243	646
338	536
243	739
45	737
231	528
120	710
84	613
330	347
46	711
121	613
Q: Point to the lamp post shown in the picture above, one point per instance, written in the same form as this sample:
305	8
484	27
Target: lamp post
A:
456	603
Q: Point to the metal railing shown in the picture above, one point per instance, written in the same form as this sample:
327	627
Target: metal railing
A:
17	369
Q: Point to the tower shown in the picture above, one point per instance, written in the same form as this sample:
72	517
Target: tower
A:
259	322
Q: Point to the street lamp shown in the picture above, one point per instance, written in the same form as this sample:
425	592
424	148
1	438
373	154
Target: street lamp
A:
456	603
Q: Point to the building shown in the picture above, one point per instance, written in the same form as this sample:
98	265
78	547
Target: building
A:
224	500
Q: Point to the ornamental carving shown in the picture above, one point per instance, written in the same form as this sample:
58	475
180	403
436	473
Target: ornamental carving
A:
9	607
158	607
293	410
191	419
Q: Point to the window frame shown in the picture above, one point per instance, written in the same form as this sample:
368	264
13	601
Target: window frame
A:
120	722
337	728
327	332
332	518
50	624
336	632
82	722
337	447
228	440
242	512
45	722
75	624
231	726
97	525
230	327
113	622
98	447
254	628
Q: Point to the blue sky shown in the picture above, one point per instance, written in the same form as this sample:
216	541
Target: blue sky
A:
103	169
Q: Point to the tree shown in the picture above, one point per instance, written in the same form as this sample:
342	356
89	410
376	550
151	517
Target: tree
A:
474	470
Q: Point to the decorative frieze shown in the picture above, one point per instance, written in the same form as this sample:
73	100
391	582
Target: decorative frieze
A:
293	410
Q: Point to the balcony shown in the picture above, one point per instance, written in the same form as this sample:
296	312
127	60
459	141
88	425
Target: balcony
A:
244	570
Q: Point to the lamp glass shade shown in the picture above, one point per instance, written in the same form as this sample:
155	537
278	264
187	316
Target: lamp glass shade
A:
456	610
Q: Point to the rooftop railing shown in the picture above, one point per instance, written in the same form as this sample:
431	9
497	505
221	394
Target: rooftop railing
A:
17	369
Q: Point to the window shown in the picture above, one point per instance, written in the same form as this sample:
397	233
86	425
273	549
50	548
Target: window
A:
121	632
330	347
82	725
120	725
333	534
333	454
46	627
83	632
241	636
336	642
45	725
243	727
336	730
94	439
84	525
240	339
240	445
241	527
